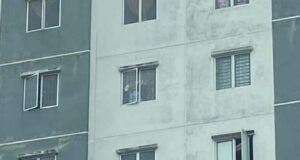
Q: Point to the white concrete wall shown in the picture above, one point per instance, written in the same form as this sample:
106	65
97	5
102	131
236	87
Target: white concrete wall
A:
188	109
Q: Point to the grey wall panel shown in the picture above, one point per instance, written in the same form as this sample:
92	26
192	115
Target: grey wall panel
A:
287	132
16	44
285	8
286	35
69	148
71	115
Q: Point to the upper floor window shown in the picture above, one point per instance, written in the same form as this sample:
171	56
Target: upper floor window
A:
139	10
228	3
43	14
41	90
233	69
138	153
235	146
139	83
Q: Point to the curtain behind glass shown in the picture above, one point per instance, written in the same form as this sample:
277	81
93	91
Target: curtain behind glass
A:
49	90
129	157
34	15
223	72
129	86
131	11
148	80
148	10
52	13
222	3
147	155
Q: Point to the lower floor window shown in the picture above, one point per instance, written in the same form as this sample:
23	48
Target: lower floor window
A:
237	146
146	152
142	155
41	155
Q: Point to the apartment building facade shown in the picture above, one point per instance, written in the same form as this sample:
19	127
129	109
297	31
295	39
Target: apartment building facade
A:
184	80
44	79
286	30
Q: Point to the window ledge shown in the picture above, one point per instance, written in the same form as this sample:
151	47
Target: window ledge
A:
228	52
137	149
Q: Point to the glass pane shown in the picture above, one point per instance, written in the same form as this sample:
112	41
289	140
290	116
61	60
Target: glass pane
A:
129	86
48	158
149	155
49	90
30	92
225	151
239	2
148	80
129	156
148	10
222	3
52	13
34	14
131	11
238	149
223	72
251	147
242	70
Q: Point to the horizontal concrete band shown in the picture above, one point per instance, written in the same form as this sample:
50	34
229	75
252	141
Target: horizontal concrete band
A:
47	57
44	138
287	103
286	18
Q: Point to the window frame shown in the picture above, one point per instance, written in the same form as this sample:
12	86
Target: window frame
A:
42	17
137	151
138	84
39	155
140	14
41	89
231	4
24	92
246	135
39	82
232	53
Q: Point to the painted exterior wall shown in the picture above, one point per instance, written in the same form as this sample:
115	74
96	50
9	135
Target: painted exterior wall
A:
286	31
188	109
63	128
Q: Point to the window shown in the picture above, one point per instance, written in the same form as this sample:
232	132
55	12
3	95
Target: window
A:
50	157
138	153
43	14
139	83
228	3
233	69
41	90
236	146
139	10
40	155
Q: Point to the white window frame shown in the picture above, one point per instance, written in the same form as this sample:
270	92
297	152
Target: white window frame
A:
245	151
42	17
137	154
138	84
232	59
24	92
40	75
41	90
232	53
140	16
231	4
